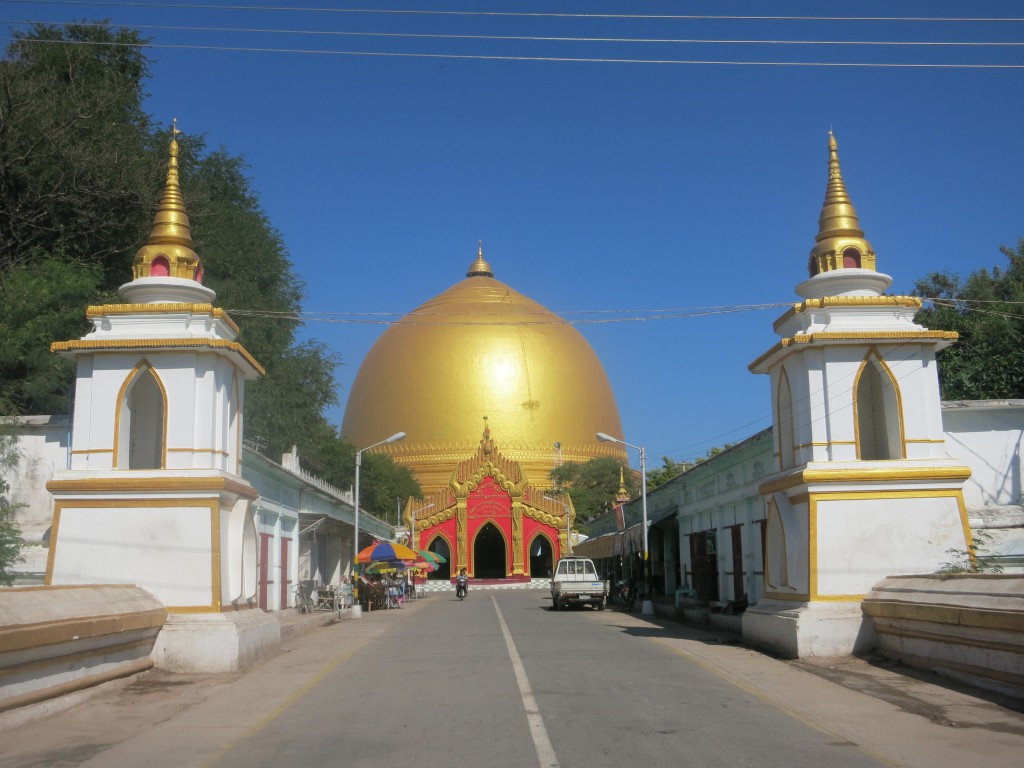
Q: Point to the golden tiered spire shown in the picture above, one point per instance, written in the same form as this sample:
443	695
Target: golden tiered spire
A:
623	495
169	251
840	242
480	267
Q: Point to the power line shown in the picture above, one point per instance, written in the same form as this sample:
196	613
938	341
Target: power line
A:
540	38
549	59
630	315
524	14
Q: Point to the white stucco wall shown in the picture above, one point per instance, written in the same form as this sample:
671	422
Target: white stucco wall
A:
42	450
987	436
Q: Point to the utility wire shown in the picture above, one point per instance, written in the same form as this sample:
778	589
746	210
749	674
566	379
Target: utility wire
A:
631	315
537	38
567	59
522	14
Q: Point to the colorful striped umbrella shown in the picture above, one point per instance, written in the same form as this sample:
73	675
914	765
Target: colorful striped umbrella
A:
431	557
386	550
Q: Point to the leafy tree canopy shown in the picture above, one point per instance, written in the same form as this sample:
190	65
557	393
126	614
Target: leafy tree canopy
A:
10	533
81	170
592	485
987	310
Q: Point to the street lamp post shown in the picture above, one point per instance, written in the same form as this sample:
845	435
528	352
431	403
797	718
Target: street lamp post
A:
412	534
648	606
356	610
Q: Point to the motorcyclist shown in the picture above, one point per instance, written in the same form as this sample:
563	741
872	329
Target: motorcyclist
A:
462	584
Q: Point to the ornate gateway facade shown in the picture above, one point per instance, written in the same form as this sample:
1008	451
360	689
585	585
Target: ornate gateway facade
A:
491	521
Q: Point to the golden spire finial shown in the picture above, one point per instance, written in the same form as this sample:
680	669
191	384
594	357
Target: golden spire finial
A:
623	495
169	250
485	442
840	242
480	267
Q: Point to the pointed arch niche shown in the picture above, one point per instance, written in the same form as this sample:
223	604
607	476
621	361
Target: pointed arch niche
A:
490	552
441	546
784	420
141	439
541	556
877	413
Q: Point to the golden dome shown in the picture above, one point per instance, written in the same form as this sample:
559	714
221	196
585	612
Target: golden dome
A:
481	349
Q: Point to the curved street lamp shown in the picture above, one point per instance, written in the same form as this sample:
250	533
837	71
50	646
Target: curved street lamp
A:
356	610
648	606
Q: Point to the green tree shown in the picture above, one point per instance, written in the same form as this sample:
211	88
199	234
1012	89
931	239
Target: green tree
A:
10	533
81	169
76	178
41	302
987	362
669	470
593	485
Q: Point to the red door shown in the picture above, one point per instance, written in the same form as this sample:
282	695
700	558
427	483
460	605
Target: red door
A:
285	581
264	582
738	589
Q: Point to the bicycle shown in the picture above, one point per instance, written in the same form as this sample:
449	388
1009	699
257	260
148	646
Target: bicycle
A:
303	600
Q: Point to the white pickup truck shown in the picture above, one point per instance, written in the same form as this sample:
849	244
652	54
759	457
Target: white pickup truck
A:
576	583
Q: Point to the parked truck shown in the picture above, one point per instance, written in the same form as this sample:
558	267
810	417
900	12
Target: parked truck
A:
575	582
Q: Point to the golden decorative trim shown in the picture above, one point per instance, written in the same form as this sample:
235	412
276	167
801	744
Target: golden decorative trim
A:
952	615
211	504
826	444
199	450
829	302
816	598
235	424
161	309
809	338
20	637
873	352
120	345
471	549
872	609
119	402
849	336
91	450
956	495
192	483
864	475
776	347
790	597
812	547
184	609
215	570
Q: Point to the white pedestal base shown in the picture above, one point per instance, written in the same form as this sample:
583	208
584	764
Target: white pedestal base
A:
647	608
357	612
216	642
798	630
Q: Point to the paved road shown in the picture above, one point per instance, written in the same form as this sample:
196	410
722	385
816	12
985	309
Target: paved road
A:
500	680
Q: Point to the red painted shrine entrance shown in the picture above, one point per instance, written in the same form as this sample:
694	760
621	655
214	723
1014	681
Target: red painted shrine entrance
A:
490	521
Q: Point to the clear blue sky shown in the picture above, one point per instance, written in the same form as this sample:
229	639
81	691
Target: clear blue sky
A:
598	185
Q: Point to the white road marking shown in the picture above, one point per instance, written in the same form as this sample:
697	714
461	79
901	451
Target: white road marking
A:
545	752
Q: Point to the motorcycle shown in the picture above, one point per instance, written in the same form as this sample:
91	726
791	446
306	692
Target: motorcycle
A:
627	594
461	586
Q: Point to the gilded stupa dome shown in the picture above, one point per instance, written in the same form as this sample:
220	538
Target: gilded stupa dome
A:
482	350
